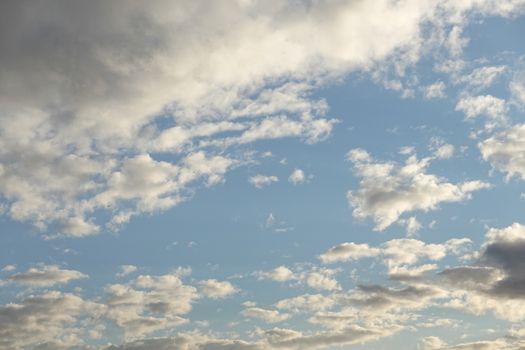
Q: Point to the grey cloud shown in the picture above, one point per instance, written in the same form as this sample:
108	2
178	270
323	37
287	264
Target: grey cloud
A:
51	318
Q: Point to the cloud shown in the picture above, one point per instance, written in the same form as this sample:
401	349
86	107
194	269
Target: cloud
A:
126	270
91	104
493	108
388	190
306	302
315	277
297	177
445	151
8	268
260	181
276	338
505	151
279	274
397	254
45	276
483	77
52	320
348	251
269	316
435	90
216	289
435	343
322	279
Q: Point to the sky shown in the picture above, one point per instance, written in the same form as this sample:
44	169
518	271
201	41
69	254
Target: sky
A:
260	175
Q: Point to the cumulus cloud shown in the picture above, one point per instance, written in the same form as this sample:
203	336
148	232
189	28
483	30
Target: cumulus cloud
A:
216	289
45	276
52	320
493	108
399	255
505	151
279	274
315	277
348	251
297	177
106	91
149	303
260	181
387	190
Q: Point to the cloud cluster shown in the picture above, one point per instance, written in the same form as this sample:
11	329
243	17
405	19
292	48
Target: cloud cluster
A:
126	108
388	190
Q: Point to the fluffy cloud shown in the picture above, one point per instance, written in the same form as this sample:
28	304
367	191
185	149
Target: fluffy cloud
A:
306	302
348	251
53	320
279	274
493	108
45	276
387	190
216	289
435	91
91	92
505	151
297	177
260	181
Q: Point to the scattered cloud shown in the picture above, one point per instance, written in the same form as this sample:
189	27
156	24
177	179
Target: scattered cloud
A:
45	276
388	190
260	181
216	289
435	91
126	270
505	151
297	177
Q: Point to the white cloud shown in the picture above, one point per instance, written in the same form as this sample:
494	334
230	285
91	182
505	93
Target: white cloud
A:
306	302
45	276
52	320
445	151
388	190
260	181
217	289
396	252
149	303
269	316
505	151
297	177
435	90
412	225
279	274
90	99
493	108
483	77
126	270
348	251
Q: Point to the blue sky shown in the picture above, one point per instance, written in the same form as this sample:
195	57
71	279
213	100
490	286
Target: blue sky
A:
261	175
